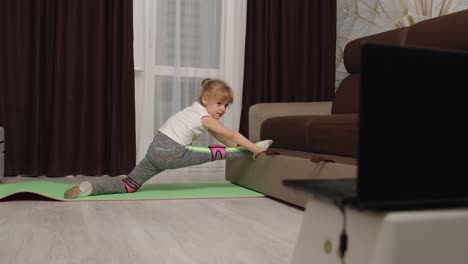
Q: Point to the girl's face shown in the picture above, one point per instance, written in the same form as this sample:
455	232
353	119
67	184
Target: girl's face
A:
216	104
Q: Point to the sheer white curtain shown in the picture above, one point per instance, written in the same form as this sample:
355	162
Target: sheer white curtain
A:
177	44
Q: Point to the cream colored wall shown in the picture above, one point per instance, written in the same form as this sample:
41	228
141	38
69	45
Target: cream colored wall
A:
359	18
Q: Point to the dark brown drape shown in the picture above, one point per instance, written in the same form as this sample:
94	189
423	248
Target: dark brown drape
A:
289	53
67	92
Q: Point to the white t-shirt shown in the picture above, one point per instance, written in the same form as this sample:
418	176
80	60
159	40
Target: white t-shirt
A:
185	126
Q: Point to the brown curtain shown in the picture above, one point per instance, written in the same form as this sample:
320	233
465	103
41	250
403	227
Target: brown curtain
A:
289	53
67	93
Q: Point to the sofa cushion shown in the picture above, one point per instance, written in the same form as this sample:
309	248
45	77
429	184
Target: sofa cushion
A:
331	134
352	51
436	32
447	32
346	99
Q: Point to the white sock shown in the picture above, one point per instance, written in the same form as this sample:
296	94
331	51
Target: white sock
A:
86	188
264	143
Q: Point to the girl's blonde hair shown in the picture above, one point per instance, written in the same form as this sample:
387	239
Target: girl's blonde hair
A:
213	86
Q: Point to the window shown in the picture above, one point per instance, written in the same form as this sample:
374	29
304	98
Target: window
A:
178	43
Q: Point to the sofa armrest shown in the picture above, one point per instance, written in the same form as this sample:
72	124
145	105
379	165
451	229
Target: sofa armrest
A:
260	112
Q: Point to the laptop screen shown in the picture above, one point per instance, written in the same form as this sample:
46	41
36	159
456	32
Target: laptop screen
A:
413	124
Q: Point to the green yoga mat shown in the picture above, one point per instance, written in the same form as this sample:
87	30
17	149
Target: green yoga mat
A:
54	190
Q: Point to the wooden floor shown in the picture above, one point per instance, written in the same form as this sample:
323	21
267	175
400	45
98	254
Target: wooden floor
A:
243	230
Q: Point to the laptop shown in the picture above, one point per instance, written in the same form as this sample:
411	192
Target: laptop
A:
413	136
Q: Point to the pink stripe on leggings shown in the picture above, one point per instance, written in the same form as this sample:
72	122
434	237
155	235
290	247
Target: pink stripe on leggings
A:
128	182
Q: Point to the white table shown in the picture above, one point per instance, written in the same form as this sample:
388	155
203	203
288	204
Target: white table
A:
403	237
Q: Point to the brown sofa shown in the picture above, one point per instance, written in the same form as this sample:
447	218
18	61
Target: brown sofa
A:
318	140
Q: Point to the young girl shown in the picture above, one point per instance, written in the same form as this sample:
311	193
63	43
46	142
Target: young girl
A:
171	147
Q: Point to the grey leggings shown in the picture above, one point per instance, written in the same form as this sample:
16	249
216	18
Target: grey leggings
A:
163	154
